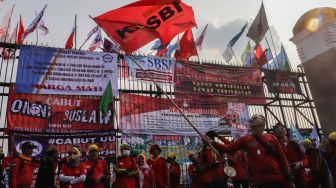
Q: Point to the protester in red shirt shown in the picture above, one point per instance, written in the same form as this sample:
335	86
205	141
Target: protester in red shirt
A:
146	175
73	172
21	169
159	166
296	157
193	171
238	161
125	169
174	171
97	172
268	164
211	165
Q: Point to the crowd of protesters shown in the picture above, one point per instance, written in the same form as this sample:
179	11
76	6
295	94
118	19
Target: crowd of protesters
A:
260	160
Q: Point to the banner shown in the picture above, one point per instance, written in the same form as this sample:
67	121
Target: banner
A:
157	116
44	70
56	113
197	82
105	140
282	82
181	145
161	69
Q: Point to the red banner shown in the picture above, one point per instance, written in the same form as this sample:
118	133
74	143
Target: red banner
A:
218	83
56	114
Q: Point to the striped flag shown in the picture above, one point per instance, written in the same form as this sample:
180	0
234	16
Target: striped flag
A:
32	26
97	41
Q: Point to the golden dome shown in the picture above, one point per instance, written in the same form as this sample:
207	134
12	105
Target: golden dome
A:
314	19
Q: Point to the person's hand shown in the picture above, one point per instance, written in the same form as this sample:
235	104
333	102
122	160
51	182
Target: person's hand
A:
297	165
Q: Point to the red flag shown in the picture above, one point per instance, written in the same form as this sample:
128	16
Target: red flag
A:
21	31
260	56
162	52
187	46
69	42
137	24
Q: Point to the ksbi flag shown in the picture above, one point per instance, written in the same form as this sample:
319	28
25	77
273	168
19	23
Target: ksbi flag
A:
64	71
56	114
136	24
201	83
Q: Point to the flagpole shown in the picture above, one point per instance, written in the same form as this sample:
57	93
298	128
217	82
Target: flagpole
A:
234	54
36	36
76	31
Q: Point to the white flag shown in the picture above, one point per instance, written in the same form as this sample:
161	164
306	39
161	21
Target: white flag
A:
98	40
5	25
228	53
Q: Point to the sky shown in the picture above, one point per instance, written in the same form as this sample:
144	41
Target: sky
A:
225	19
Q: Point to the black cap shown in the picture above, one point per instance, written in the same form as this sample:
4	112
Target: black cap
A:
28	145
211	134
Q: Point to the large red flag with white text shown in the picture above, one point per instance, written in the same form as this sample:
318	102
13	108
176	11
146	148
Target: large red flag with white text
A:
137	24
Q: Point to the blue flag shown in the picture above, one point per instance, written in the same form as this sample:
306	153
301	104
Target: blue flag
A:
294	134
235	38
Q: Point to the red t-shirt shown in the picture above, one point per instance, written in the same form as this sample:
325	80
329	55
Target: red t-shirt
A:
126	180
239	163
160	170
294	153
69	171
100	170
265	167
21	173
